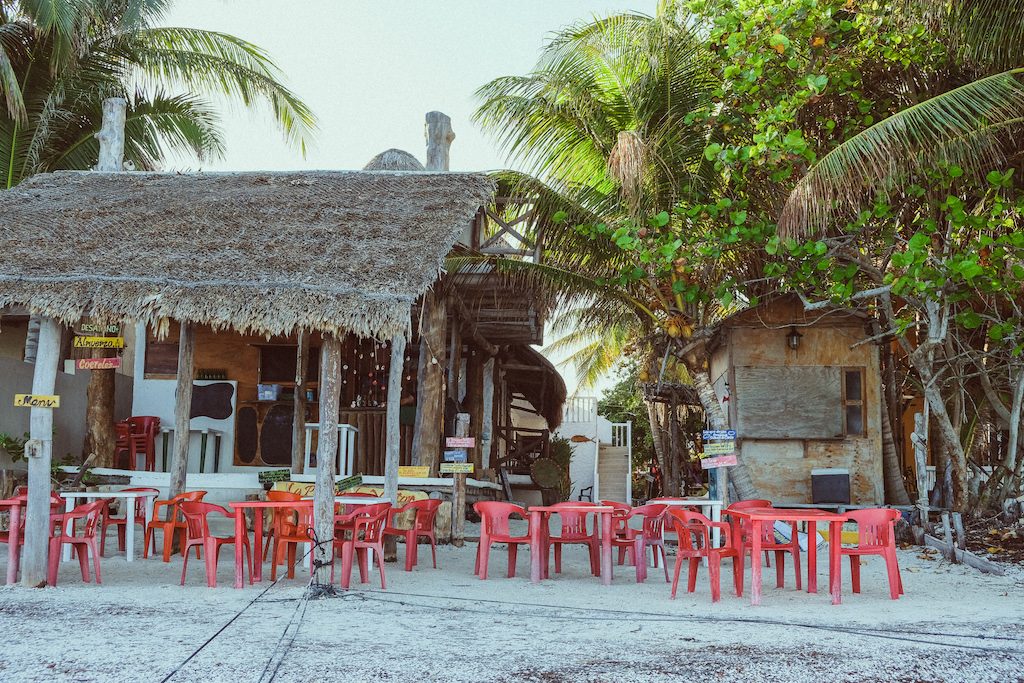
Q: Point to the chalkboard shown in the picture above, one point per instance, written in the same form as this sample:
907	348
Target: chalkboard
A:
247	435
276	436
212	401
161	358
277	364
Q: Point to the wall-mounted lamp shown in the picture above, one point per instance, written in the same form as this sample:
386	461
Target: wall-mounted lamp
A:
793	339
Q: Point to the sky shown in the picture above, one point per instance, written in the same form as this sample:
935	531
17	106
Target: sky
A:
371	69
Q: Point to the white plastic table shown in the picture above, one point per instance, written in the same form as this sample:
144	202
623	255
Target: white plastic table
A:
129	531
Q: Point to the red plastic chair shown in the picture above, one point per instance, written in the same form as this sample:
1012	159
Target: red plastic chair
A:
494	528
693	530
367	534
120	522
92	514
197	526
291	527
769	544
876	535
175	524
285	518
634	542
144	429
574	530
423	527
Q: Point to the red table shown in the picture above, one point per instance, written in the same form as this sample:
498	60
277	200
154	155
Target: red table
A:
539	515
757	518
13	536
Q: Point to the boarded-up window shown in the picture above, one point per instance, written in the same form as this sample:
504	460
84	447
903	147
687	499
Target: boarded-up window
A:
789	402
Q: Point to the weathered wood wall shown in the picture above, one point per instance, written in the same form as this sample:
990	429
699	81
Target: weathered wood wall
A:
781	468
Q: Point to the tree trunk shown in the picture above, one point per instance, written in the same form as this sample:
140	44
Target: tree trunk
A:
671	481
32	339
717	419
326	451
182	407
100	435
949	438
892	469
426	444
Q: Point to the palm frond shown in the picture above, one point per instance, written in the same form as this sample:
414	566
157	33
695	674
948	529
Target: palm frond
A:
966	126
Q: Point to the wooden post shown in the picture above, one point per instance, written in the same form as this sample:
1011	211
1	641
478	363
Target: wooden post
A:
454	360
299	414
459	489
439	141
39	450
183	406
326	451
947	535
474	403
487	423
920	440
961	535
426	443
394	430
101	438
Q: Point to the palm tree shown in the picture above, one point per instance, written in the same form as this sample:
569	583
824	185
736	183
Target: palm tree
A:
60	59
603	127
969	114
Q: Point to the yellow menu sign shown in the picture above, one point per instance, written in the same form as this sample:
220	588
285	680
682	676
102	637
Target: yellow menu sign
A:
414	471
36	401
99	342
456	468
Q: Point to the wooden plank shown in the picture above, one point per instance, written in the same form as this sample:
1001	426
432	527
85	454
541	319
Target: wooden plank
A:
459	489
810	407
394	434
487	419
426	445
964	556
474	403
327	447
182	407
39	450
299	415
439	141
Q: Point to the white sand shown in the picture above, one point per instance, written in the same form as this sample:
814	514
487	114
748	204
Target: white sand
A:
953	624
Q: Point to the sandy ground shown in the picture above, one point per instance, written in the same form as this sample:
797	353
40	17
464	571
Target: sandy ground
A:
953	624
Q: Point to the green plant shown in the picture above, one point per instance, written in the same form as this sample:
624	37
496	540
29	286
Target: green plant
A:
561	453
14	445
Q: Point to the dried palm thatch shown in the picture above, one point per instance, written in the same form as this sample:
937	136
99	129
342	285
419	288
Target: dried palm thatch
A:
544	387
259	252
394	160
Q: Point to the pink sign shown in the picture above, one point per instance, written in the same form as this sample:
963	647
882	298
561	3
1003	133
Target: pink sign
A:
98	363
720	461
459	442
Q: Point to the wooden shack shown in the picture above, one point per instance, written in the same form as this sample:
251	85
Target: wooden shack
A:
802	390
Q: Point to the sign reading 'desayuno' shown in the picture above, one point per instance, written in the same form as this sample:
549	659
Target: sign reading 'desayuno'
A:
36	401
99	342
96	328
98	363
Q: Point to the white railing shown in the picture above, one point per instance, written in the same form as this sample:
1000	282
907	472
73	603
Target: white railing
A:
622	437
580	409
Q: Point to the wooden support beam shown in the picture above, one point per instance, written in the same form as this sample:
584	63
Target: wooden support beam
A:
101	437
183	407
459	489
392	448
326	451
439	141
474	402
299	408
454	370
487	420
39	450
426	443
469	327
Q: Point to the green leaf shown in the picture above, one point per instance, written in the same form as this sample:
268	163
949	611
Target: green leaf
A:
738	217
560	217
712	151
955	171
662	219
970	320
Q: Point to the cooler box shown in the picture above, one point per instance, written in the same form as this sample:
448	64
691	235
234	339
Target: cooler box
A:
830	485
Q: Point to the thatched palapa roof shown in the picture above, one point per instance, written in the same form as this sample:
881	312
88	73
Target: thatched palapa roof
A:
266	252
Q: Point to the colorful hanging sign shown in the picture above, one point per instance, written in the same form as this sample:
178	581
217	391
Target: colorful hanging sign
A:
415	472
719	448
36	401
98	363
718	434
99	342
456	455
456	468
720	461
460	442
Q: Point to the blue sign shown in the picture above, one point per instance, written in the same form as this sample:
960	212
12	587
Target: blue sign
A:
719	434
456	455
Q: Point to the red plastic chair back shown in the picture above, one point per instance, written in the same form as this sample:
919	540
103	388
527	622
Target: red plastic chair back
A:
370	519
747	504
140	503
195	513
426	511
91	513
874	526
692	528
495	514
144	424
653	515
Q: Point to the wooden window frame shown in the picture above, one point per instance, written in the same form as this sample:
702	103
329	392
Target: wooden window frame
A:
848	402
